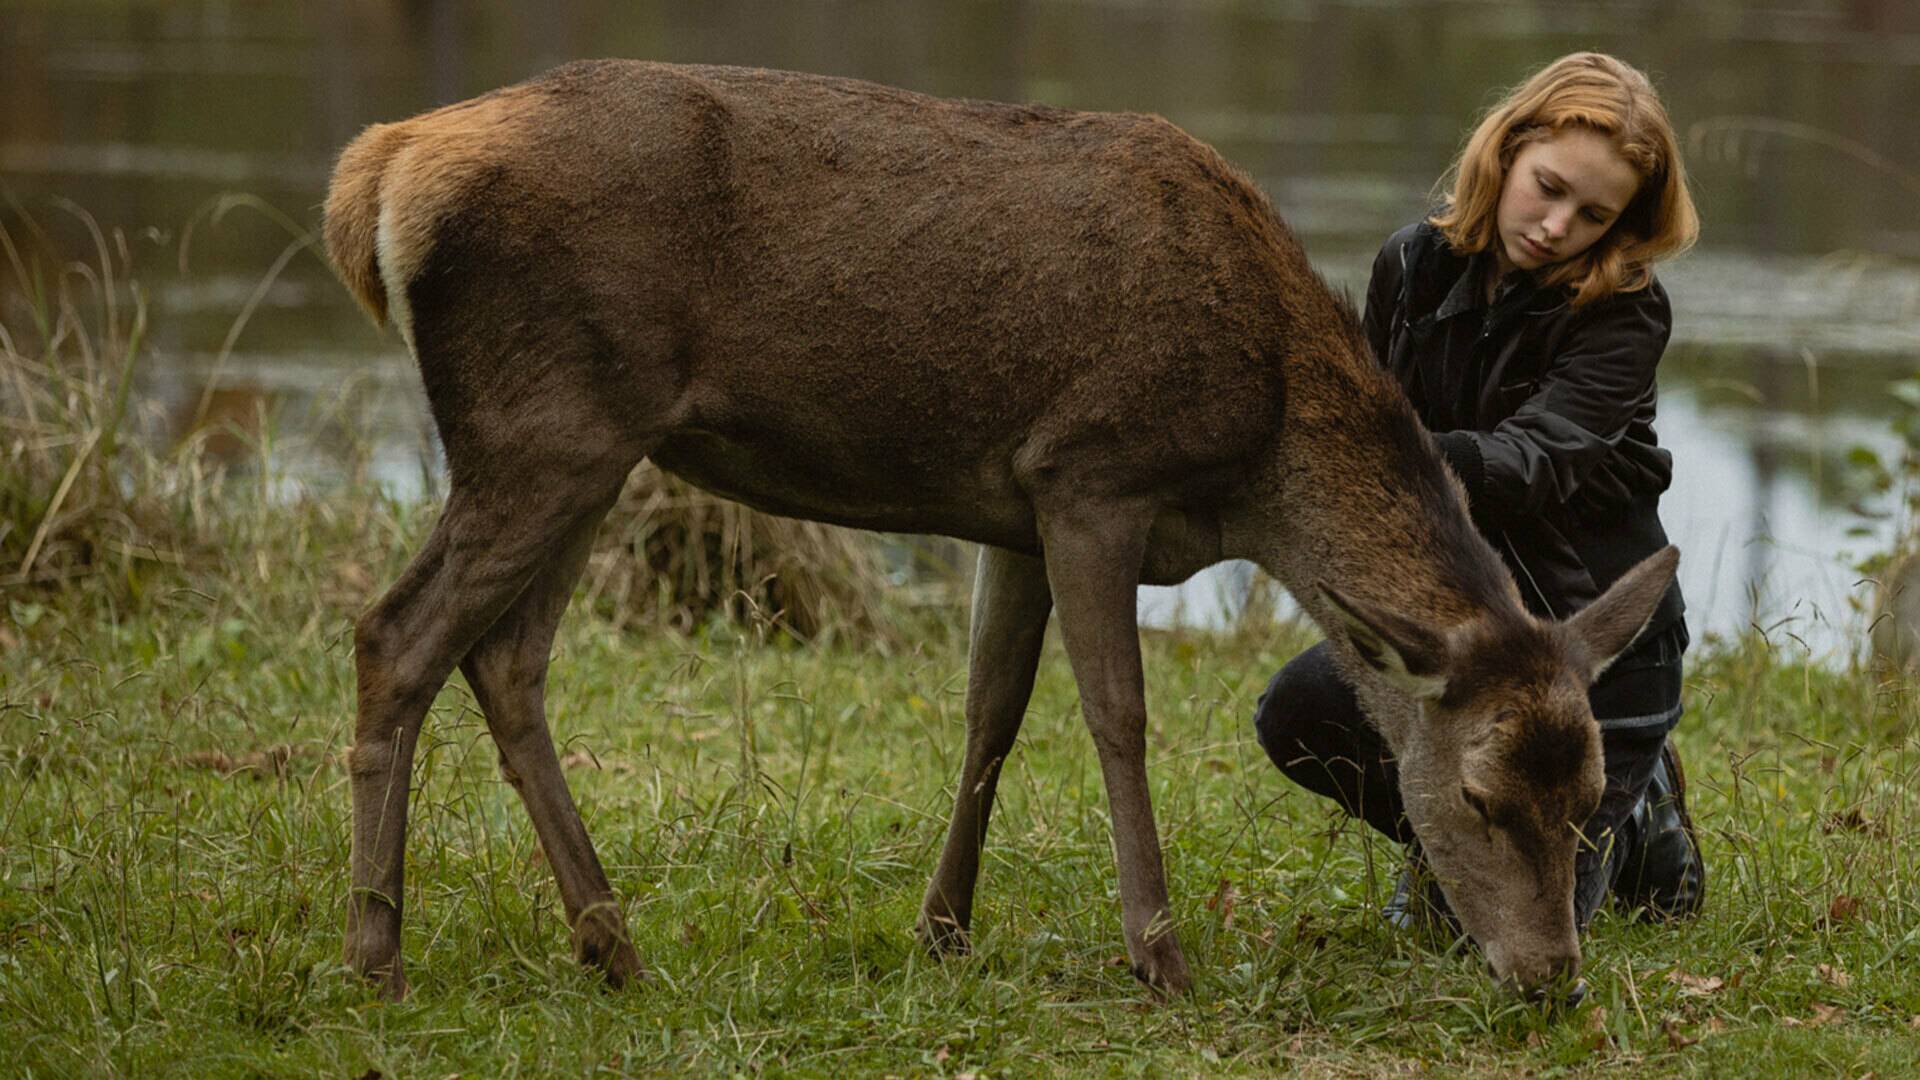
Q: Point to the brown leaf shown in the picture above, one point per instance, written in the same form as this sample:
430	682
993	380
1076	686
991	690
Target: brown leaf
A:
580	759
941	1055
1825	1014
1675	1038
1851	820
1223	900
1913	1023
1843	908
1833	975
260	764
7	640
1696	985
690	933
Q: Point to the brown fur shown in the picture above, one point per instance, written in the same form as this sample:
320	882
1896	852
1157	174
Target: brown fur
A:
1082	340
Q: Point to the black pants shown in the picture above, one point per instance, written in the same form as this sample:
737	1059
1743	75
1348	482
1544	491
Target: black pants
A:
1310	724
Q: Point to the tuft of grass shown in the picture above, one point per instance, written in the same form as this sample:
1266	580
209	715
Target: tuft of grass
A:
671	556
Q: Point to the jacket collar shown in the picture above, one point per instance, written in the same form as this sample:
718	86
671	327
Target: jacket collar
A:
1434	272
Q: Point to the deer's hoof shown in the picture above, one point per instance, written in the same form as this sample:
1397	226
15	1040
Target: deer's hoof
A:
597	945
373	953
389	981
943	935
1164	969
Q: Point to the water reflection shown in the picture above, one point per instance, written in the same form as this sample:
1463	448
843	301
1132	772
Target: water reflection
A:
1799	142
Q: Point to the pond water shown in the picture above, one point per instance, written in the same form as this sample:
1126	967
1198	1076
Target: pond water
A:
1799	307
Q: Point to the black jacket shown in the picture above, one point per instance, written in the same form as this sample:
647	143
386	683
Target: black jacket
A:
1545	413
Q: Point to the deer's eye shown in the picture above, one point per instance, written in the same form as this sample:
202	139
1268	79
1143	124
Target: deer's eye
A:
1478	802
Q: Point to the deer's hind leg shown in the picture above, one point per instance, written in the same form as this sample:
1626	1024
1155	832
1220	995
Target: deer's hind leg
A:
1010	608
508	672
507	513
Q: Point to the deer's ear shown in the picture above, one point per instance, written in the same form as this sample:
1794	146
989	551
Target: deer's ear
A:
1610	624
1408	654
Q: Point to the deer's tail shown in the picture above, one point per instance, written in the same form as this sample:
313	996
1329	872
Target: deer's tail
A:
353	214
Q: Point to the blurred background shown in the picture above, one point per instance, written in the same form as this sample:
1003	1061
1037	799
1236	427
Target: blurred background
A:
199	135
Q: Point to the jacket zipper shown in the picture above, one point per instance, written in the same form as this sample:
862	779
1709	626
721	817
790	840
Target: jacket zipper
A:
1522	564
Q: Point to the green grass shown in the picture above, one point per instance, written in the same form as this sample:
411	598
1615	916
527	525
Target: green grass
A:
175	696
173	848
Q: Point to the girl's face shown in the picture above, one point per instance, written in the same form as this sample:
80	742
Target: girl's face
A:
1561	195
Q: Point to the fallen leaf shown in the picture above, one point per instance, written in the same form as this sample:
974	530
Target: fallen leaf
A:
1825	1014
1696	985
1914	1023
580	759
1715	1025
1675	1038
1223	899
7	640
260	764
1851	820
1844	907
1534	1041
690	933
1833	975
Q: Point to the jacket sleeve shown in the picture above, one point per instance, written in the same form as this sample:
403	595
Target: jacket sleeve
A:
1383	294
1554	443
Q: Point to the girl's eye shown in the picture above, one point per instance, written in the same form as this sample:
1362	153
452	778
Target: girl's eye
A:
1548	189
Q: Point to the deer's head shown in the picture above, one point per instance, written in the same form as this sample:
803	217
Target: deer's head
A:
1504	768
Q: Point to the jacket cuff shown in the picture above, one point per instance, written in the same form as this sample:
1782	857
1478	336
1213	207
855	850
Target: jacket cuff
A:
1462	452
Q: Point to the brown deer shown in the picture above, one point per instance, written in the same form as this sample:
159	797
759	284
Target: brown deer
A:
1081	340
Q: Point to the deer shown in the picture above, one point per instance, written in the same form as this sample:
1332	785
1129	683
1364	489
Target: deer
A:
1080	340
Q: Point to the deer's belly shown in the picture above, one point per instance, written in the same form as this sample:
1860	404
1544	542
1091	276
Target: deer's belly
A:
880	489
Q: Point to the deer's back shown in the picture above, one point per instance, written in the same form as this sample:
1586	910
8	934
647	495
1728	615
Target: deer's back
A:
824	286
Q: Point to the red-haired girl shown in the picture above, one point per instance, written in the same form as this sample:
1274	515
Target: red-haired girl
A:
1525	323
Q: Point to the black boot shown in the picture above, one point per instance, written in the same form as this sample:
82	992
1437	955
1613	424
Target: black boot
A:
1661	872
1417	902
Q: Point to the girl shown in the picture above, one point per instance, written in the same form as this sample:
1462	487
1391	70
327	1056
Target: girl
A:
1525	323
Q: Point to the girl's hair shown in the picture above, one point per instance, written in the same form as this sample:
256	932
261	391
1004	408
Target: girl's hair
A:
1599	93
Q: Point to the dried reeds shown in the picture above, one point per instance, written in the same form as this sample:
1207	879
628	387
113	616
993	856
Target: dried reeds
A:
674	556
78	492
84	490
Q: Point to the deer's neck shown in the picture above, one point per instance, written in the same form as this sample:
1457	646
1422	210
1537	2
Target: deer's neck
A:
1359	498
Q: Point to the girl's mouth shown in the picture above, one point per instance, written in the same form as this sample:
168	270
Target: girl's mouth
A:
1536	250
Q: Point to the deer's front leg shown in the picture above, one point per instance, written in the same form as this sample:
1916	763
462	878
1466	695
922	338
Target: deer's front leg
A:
1010	607
1094	551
